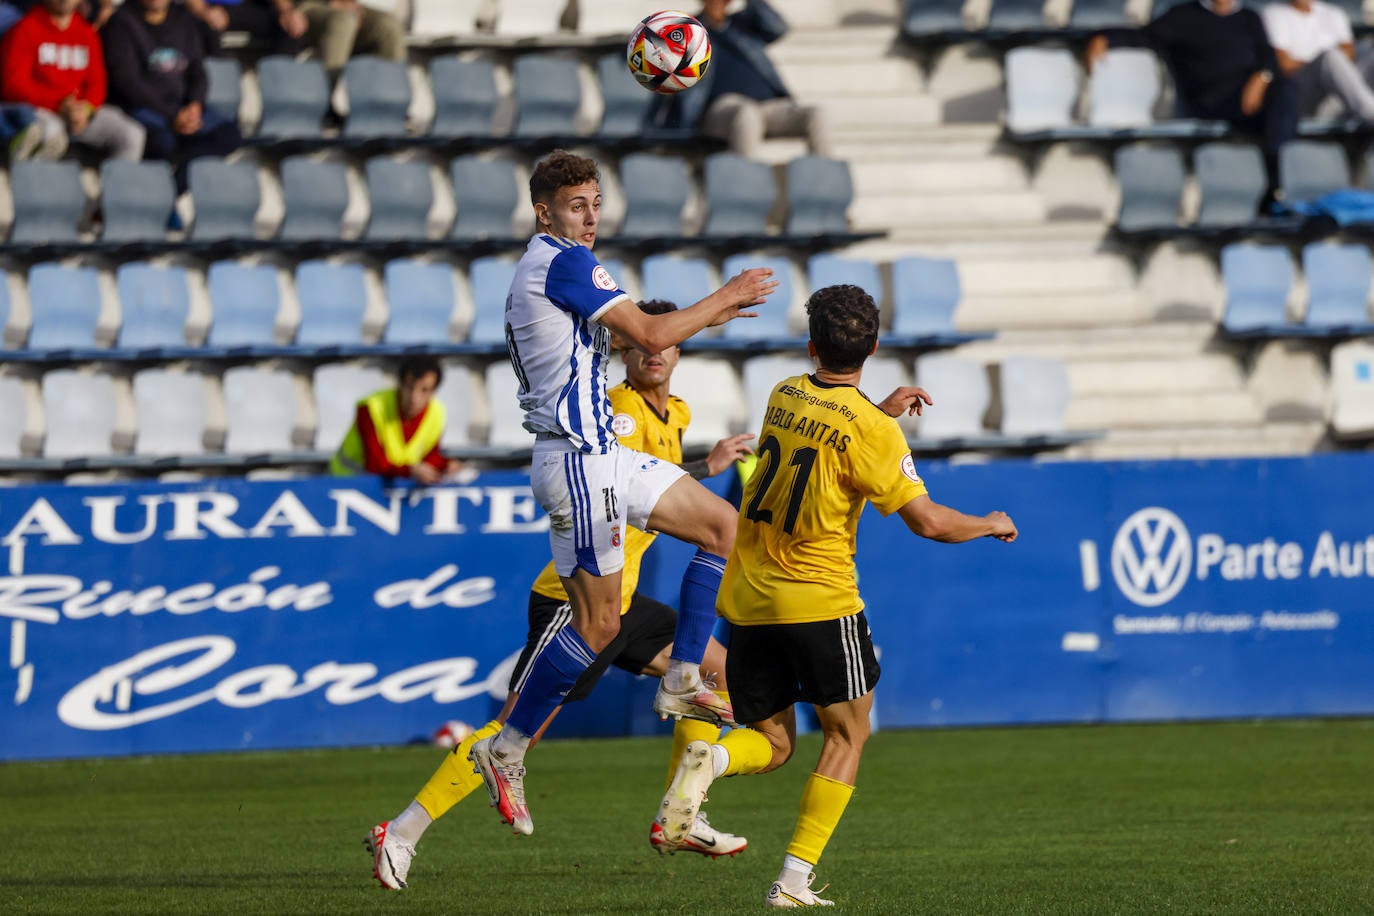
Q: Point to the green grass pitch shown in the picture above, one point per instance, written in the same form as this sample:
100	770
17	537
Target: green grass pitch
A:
1266	817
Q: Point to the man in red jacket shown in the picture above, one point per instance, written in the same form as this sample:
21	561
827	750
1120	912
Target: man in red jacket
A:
52	59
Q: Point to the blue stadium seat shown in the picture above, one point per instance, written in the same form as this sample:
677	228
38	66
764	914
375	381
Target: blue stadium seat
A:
316	196
680	280
490	279
401	193
1017	16
66	307
261	408
772	322
421	296
1042	89
333	303
925	293
225	90
1308	169
1034	395
245	299
1258	279
827	269
80	411
486	193
740	194
1352	389
227	197
338	388
1094	15
926	19
1338	282
137	199
626	102
465	97
1151	179
547	95
1124	88
964	392
48	201
172	413
378	97
1231	181
819	192
656	191
154	303
295	97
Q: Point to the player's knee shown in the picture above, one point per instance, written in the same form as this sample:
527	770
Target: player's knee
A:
601	631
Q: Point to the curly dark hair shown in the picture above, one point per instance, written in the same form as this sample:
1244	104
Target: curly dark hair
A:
843	320
560	169
657	307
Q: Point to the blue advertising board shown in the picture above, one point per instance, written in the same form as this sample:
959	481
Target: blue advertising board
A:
227	614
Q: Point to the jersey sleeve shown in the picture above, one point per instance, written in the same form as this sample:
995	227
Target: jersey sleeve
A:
579	284
627	421
884	470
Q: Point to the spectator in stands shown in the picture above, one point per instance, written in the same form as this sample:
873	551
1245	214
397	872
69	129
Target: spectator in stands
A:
156	59
397	430
94	11
277	26
336	29
1315	47
51	59
1223	66
742	98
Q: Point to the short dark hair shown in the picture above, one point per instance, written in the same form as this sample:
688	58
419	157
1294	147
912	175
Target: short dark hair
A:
560	169
657	307
418	366
843	320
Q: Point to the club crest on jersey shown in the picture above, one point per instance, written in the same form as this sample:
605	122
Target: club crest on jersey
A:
615	536
602	279
909	469
622	424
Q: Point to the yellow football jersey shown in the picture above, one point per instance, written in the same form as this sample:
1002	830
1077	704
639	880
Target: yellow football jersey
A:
824	451
638	426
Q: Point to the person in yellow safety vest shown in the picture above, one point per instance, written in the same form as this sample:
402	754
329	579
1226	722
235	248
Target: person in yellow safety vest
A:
397	430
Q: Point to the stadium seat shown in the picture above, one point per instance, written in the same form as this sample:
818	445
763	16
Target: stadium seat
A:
962	388
66	307
1151	179
421	296
171	411
402	193
1258	279
338	389
154	303
613	17
547	95
1352	389
926	19
657	188
1160	7
772	323
136	198
626	102
1338	281
1308	169
827	269
1016	16
333	304
1124	87
677	279
457	393
740	194
224	78
490	279
14	416
1034	395
295	97
48	201
227	197
261	410
1231	182
81	414
713	391
436	19
1095	15
465	97
884	375
1042	89
378	97
761	374
245	299
505	429
316	197
520	19
819	192
925	293
486	193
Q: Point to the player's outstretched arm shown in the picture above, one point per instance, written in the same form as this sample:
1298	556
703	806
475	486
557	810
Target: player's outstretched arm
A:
656	333
929	519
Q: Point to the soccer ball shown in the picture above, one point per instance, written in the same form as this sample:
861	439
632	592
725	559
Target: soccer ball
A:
668	52
451	734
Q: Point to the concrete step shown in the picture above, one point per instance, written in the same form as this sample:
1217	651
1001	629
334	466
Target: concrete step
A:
985	174
856	75
982	211
1154	342
1010	277
1213	442
1169	408
1057	311
878	110
1177	375
827	45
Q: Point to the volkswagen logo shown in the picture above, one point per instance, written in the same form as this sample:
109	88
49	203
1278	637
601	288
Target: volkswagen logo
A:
1152	556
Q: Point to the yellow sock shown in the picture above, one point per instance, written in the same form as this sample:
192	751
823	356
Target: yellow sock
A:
454	780
749	751
822	805
684	733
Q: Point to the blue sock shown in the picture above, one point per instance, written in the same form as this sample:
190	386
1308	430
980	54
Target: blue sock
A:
696	615
552	675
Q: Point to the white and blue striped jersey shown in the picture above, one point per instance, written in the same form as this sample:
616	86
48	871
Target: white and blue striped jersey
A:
558	350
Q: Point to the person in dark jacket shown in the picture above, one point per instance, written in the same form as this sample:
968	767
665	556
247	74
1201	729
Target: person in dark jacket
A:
155	58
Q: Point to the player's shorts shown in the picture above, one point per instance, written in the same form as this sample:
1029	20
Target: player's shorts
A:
645	629
591	498
773	666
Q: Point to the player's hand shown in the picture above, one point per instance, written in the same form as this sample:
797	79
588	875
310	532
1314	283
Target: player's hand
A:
1003	528
216	18
1095	51
905	399
293	22
727	451
425	474
745	290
